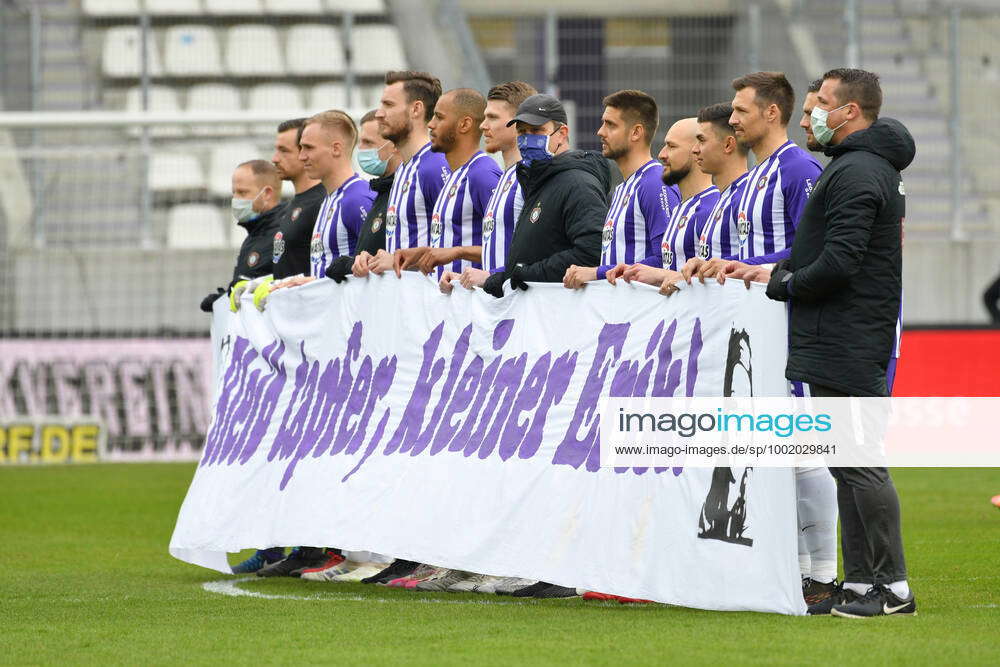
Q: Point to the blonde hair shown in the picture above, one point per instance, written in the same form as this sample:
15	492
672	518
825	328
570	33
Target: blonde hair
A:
334	120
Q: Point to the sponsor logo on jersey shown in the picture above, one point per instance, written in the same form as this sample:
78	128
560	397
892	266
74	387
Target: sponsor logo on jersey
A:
664	201
316	247
535	213
668	255
253	258
435	227
279	247
742	226
609	232
703	247
445	173
296	213
488	224
406	185
390	219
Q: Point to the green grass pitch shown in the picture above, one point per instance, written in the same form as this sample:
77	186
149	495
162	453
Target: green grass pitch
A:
85	577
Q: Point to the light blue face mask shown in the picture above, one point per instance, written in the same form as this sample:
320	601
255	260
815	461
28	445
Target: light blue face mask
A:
370	162
243	208
820	130
535	147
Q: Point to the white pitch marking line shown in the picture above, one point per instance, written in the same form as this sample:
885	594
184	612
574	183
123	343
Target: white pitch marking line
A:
229	587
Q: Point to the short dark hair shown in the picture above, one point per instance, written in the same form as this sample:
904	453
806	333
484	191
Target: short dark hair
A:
512	92
718	115
815	85
637	108
470	102
367	118
769	88
421	86
291	124
859	86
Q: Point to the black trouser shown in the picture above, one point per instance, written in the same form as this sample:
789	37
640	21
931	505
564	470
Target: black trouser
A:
871	540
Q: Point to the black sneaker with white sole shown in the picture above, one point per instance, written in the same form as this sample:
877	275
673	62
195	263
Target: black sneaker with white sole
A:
824	606
398	568
878	601
531	591
301	558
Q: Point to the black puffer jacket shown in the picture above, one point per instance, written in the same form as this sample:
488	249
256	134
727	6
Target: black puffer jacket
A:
846	264
565	204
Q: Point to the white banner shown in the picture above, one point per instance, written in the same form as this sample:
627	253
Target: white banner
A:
463	431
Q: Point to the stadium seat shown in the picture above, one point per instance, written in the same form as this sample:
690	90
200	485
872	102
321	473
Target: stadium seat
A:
233	7
175	7
252	50
161	98
217	97
111	7
196	227
275	97
293	6
325	96
175	171
314	49
192	50
236	233
380	47
122	54
364	7
221	163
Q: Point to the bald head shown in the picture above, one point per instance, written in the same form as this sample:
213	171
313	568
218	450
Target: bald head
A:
677	156
457	117
258	181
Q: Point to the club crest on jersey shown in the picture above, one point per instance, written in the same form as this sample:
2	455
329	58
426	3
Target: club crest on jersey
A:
390	219
535	213
453	190
377	223
506	186
316	247
718	215
253	258
406	185
609	232
683	222
743	226
435	227
279	247
488	224
295	213
761	182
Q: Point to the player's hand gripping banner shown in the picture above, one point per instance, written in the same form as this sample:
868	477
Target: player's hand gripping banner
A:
463	431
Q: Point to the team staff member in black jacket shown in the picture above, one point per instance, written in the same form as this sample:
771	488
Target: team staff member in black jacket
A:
256	207
291	241
565	200
843	280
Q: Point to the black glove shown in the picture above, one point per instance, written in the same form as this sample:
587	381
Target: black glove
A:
208	301
340	268
777	287
517	277
494	285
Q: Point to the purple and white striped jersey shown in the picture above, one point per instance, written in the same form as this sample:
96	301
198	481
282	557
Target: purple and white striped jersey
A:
501	215
637	218
718	237
411	199
338	223
458	212
771	204
684	228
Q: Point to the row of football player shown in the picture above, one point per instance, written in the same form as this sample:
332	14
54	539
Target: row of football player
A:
438	203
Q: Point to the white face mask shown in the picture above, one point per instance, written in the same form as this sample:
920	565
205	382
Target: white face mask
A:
243	208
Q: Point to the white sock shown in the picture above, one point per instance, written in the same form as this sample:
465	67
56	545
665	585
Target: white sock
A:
900	589
817	505
860	589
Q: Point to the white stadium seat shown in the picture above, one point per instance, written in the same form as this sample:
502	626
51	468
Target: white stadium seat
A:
222	162
367	7
215	97
161	98
236	233
376	49
252	49
192	50
175	171
275	97
196	227
315	49
111	7
175	7
122	54
293	6
325	96
233	7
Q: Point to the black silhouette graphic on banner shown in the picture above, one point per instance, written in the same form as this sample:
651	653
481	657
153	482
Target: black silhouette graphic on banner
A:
719	521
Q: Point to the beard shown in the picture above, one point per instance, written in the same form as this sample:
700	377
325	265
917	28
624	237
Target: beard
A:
442	143
675	176
814	145
398	133
613	153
